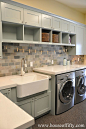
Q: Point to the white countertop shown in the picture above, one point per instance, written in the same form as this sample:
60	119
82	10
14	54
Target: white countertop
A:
58	69
12	116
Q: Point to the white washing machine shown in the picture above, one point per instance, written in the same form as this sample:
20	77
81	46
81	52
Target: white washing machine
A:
65	91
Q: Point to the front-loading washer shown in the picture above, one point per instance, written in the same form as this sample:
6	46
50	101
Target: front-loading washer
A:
65	91
79	86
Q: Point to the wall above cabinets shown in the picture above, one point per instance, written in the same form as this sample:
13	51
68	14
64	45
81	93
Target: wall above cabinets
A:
22	25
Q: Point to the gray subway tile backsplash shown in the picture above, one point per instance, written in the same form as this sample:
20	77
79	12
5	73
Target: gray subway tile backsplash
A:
40	54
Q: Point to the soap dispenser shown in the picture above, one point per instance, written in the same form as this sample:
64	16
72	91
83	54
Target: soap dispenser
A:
64	62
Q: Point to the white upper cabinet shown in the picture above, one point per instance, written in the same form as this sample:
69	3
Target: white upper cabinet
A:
56	24
80	40
72	28
32	18
84	41
65	26
11	13
46	21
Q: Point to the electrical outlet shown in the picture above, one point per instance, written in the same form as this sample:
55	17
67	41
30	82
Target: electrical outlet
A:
25	65
31	64
52	62
78	59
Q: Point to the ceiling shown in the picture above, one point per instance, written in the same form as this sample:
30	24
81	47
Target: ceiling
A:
79	5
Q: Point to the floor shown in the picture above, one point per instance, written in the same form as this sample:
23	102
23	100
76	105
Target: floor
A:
75	117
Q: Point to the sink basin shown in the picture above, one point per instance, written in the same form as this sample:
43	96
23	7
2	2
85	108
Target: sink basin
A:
30	84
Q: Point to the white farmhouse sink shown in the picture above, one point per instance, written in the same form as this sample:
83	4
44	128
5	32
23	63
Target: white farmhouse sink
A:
31	83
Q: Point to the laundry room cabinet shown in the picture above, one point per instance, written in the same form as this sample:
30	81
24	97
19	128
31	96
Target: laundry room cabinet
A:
7	93
72	28
26	105
32	18
36	105
65	26
80	43
11	13
46	21
57	24
42	104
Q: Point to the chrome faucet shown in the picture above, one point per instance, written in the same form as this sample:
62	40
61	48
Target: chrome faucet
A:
25	65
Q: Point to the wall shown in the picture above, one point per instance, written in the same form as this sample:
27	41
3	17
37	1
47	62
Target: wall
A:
56	8
41	55
85	18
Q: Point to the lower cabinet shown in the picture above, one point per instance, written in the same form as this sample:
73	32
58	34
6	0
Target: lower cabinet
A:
6	92
26	106
37	105
42	104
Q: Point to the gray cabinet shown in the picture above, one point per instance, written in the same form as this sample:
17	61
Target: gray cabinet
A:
42	104
0	39
72	28
32	18
46	21
57	24
65	26
84	48
26	106
80	40
11	13
79	49
6	92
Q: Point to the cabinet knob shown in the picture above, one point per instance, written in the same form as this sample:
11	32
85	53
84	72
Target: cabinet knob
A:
22	21
25	22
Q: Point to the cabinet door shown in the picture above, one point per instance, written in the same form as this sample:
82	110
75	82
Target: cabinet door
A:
46	21
7	93
42	104
0	39
72	28
32	18
56	24
84	41
80	40
11	13
26	106
65	26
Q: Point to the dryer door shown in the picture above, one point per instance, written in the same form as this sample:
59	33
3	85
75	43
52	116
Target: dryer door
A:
81	85
66	92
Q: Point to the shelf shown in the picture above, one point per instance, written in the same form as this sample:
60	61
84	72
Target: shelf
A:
65	37
34	42
31	34
12	31
72	38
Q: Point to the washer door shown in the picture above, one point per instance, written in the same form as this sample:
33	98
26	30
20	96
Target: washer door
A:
66	92
81	85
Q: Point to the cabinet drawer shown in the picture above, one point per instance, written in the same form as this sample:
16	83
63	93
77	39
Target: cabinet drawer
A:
11	13
46	21
32	18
